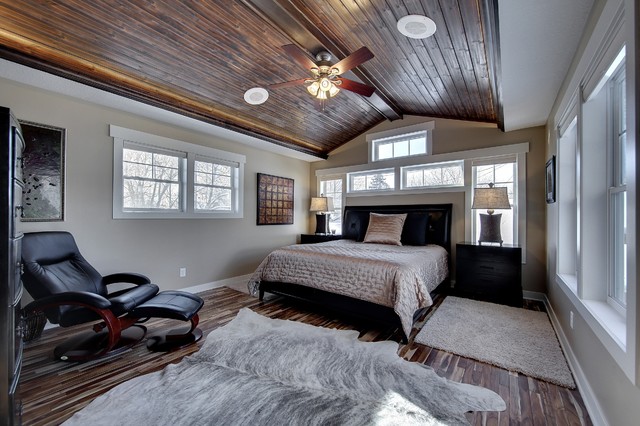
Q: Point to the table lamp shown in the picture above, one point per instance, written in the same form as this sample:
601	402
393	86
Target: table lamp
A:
322	205
491	198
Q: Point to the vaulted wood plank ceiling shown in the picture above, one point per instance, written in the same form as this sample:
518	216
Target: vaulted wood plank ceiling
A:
199	57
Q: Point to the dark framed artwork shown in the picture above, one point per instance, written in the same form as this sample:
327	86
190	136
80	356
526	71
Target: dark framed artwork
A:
550	180
275	200
43	172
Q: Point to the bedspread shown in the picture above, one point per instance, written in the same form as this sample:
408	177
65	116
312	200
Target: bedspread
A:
400	277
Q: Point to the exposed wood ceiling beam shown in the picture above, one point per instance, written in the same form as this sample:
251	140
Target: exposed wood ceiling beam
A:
489	15
289	19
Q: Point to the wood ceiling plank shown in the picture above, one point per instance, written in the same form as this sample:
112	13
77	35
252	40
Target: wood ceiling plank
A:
198	58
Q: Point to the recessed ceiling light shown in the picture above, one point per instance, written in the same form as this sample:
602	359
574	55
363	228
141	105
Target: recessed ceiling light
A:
256	96
416	26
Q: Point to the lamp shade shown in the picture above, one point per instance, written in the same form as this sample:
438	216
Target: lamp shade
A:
491	198
321	204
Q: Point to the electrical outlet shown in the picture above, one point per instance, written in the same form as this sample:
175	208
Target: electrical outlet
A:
183	272
571	319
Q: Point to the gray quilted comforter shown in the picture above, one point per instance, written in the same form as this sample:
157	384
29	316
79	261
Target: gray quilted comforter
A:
400	277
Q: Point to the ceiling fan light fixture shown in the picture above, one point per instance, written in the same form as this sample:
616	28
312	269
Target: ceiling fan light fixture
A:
325	84
256	96
416	26
322	95
313	88
333	90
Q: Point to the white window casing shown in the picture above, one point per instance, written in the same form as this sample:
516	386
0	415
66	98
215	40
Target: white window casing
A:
228	185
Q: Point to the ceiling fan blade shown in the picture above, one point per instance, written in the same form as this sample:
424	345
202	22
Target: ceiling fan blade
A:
358	57
299	56
287	83
354	86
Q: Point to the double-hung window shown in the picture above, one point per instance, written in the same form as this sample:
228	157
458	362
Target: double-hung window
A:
160	178
617	192
502	172
152	178
332	187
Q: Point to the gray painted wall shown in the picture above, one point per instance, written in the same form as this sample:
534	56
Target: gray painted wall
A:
210	249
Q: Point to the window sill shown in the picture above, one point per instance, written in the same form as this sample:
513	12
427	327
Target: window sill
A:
609	326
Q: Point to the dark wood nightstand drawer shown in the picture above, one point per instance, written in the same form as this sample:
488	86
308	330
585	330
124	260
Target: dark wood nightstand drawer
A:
318	238
490	273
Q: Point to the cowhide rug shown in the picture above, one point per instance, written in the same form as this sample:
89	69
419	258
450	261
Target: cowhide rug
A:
261	371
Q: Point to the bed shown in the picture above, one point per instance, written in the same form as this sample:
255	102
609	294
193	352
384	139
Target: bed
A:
380	282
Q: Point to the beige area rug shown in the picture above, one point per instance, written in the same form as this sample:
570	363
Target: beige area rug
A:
512	338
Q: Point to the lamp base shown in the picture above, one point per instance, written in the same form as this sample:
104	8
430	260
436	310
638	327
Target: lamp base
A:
322	223
490	228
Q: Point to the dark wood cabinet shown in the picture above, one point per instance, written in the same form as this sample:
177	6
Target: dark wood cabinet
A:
490	273
318	238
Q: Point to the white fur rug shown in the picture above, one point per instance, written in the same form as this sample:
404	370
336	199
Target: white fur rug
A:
261	371
516	339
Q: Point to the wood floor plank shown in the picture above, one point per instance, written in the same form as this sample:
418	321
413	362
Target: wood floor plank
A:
51	391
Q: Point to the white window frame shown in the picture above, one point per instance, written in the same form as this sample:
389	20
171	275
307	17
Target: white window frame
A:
617	184
617	333
122	136
354	175
423	167
397	135
516	207
337	210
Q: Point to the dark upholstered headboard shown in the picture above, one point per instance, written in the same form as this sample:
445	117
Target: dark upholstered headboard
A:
438	230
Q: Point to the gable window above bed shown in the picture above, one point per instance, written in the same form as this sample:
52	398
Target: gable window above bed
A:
407	141
160	178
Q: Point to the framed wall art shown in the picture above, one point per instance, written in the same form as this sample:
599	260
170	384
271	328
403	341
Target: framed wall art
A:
43	172
275	200
550	180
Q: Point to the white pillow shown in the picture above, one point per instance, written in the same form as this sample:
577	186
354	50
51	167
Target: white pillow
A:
385	228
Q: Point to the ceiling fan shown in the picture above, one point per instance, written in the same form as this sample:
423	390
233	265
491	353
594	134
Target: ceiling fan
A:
325	81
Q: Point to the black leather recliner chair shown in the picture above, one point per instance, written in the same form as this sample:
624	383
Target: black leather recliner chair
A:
70	292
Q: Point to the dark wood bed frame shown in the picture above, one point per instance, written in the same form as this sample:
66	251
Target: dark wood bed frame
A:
354	224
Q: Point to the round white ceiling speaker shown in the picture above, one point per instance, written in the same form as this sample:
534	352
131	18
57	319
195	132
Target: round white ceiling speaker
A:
256	96
416	26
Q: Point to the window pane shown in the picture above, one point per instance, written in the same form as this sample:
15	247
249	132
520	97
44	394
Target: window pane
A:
619	208
385	151
144	194
484	175
401	149
418	146
504	172
414	179
333	188
212	198
380	181
434	175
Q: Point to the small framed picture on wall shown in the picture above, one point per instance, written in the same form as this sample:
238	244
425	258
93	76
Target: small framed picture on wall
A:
550	180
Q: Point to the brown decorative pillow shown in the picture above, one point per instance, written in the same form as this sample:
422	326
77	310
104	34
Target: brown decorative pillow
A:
385	228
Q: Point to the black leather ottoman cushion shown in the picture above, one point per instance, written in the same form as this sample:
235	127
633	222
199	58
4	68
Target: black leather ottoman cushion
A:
171	304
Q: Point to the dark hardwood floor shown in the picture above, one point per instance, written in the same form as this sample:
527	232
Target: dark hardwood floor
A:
52	391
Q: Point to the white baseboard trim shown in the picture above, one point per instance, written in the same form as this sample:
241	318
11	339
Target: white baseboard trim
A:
534	295
228	282
589	398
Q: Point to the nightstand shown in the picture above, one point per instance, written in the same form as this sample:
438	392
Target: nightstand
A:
488	272
318	238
